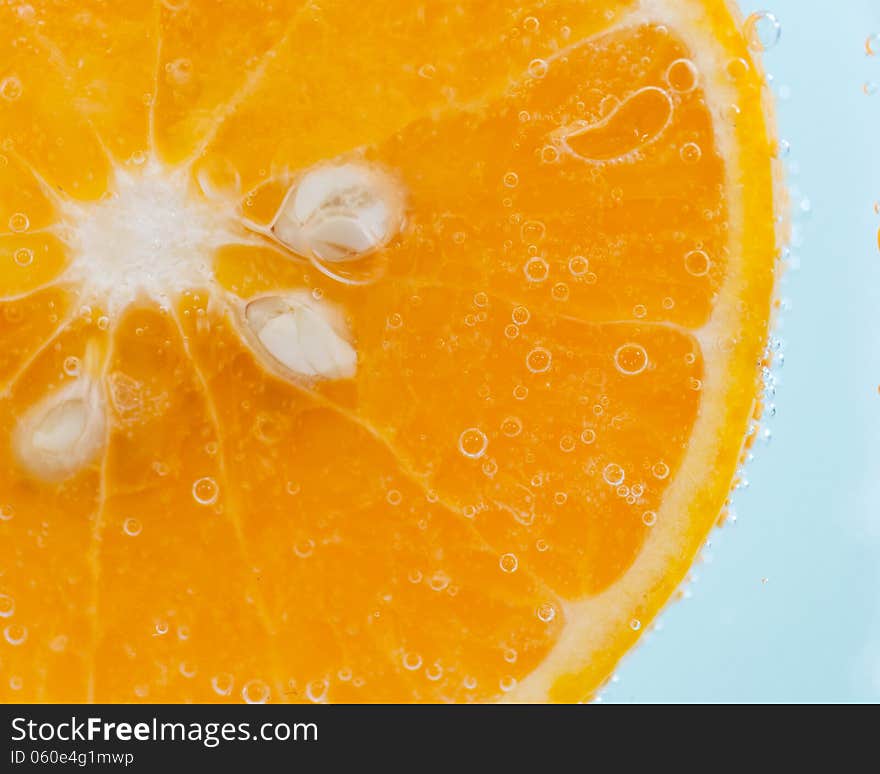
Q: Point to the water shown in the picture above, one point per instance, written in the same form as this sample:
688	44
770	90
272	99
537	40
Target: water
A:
786	605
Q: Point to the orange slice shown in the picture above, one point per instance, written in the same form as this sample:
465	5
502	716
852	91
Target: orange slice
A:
365	352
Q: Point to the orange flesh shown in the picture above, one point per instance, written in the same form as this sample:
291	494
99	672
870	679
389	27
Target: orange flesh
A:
569	235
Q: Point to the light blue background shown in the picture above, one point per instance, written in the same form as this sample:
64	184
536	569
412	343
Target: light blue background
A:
809	523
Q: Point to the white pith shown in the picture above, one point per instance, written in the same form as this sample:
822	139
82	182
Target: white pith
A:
149	238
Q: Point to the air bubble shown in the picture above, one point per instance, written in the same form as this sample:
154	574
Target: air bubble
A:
132	527
316	691
511	180
508	563
520	392
511	331
682	76
538	68
872	44
71	366
690	153
549	154
639	311
439	581
179	72
588	436
560	498
473	443
649	518
427	71
631	359
635	624
24	256
533	232
205	491
222	684
511	427
762	31
697	263
613	474
304	548
394	321
560	291
15	634
546	612
660	470
19	222
255	692
394	497
578	265
434	672
737	68
538	360
11	88
520	315
187	669
7	606
536	269
507	684
567	444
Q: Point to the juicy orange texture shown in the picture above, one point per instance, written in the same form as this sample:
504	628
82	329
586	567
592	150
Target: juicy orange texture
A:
557	357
